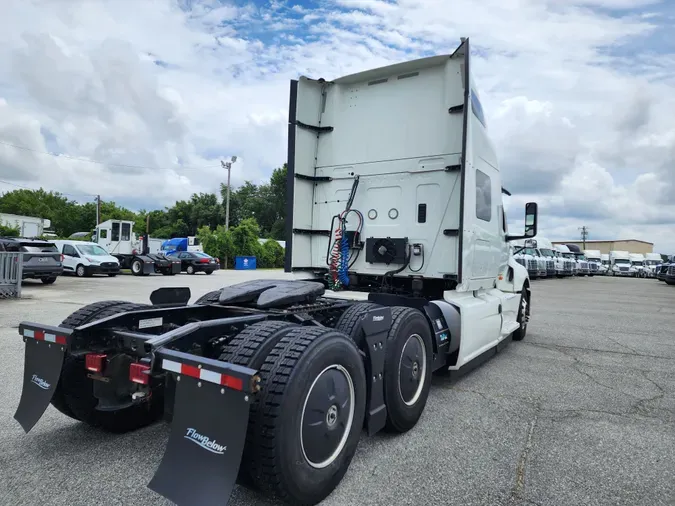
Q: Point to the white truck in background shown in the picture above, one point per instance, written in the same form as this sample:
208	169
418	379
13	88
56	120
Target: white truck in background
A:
565	253
583	268
142	255
606	263
529	258
637	265
594	257
651	261
544	250
620	263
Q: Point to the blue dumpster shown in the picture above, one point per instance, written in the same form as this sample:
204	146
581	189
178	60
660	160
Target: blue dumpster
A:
244	263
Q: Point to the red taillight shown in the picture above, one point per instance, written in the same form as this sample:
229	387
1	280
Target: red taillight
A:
62	257
204	261
139	373
94	362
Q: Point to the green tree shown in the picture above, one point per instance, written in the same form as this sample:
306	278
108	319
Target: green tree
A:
271	255
8	231
245	238
266	203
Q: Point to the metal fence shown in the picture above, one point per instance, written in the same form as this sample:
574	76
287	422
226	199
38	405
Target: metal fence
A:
11	272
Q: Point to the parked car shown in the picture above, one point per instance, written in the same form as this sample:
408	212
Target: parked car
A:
41	259
87	258
196	261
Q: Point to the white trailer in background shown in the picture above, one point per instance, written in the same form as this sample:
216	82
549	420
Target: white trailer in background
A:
606	263
29	226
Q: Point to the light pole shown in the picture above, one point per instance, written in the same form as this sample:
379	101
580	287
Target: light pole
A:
228	167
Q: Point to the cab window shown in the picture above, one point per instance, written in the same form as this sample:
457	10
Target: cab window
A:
483	196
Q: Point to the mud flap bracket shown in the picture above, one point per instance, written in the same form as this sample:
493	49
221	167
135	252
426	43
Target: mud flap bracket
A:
45	350
375	325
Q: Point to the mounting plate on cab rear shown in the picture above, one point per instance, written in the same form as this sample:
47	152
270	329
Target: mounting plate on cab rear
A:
386	250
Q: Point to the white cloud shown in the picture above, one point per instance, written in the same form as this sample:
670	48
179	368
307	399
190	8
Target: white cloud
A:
579	104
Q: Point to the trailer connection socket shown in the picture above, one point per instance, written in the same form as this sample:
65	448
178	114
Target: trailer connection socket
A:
354	239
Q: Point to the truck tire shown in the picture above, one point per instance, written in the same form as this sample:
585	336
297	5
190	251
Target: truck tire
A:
79	317
523	315
137	267
311	411
250	349
209	298
48	281
76	388
350	321
407	369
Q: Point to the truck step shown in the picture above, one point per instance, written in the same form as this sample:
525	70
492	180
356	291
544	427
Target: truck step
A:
509	326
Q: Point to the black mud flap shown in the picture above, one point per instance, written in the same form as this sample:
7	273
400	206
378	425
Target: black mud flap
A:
208	431
375	325
45	350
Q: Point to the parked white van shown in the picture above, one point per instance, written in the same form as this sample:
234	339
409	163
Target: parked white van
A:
86	258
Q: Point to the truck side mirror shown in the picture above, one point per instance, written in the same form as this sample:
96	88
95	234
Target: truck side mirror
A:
530	223
531	219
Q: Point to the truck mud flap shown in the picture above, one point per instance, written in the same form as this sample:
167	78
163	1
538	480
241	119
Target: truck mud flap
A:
375	325
208	430
45	350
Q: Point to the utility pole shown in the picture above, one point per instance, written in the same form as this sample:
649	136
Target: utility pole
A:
98	210
584	234
228	166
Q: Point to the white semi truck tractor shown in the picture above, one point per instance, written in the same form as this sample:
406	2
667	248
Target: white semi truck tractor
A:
651	261
620	263
545	250
398	254
637	265
566	254
594	258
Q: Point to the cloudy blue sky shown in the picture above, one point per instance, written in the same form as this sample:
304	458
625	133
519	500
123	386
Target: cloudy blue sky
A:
579	95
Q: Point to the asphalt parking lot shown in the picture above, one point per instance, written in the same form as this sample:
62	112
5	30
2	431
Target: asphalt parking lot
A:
580	413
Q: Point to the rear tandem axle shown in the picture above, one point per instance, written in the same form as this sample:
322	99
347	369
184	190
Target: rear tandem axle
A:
266	383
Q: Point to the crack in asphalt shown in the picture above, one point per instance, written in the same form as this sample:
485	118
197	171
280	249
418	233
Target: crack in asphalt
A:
519	485
560	346
639	407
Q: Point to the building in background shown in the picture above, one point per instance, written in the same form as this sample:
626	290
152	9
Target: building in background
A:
630	245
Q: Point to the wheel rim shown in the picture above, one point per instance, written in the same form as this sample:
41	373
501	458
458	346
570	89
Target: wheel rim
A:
327	416
190	270
80	271
136	267
412	369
